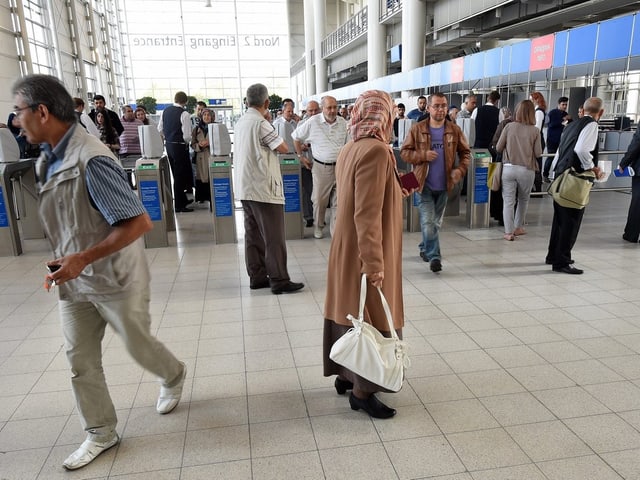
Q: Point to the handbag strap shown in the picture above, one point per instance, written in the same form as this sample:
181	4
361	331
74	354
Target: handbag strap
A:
385	305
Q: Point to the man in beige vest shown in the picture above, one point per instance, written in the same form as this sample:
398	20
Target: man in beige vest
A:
94	223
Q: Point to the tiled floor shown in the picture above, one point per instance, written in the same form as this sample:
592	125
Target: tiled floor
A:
518	372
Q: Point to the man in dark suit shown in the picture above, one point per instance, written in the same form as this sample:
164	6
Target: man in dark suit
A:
632	159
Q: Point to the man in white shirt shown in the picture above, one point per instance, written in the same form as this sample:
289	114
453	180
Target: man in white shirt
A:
578	149
84	119
327	134
285	123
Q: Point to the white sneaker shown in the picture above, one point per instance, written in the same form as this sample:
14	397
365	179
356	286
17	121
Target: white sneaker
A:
170	396
317	233
88	452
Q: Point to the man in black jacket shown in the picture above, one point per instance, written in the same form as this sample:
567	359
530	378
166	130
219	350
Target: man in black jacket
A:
101	104
632	159
578	149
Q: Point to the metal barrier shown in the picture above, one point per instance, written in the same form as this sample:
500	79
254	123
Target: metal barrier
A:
154	189
18	203
478	189
222	207
291	183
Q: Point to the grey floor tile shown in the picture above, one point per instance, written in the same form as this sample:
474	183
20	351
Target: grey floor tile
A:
359	462
461	416
605	433
521	472
548	441
570	402
626	463
442	460
516	409
589	467
484	449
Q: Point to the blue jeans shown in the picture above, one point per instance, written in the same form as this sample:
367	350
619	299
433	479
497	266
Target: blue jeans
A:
431	205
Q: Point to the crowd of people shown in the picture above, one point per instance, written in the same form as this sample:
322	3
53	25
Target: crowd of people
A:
100	268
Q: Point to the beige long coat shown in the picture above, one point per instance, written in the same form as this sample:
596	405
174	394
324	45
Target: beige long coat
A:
368	234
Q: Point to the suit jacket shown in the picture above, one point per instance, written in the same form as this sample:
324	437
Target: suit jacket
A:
632	157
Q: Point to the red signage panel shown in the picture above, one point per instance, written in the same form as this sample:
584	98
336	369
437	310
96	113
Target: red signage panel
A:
541	52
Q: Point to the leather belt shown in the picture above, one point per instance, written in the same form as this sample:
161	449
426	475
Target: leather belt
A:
324	163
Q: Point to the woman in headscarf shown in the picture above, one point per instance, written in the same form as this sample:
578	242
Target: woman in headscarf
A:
200	145
367	239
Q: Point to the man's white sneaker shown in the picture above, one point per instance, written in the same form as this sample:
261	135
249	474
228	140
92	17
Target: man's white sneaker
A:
317	233
170	396
88	452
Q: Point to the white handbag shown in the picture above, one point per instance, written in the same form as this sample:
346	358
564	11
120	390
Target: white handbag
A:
366	352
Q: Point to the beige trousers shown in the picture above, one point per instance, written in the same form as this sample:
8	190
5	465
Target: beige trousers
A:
83	326
324	193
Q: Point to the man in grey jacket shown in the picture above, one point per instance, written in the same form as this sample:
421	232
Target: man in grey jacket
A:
93	222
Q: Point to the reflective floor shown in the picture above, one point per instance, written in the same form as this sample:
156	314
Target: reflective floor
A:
518	372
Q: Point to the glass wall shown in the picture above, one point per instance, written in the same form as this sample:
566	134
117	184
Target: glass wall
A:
212	53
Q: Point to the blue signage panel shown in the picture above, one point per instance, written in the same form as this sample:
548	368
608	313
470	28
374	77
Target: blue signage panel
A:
222	197
520	56
582	44
560	48
480	187
291	185
614	38
476	66
4	218
492	62
150	196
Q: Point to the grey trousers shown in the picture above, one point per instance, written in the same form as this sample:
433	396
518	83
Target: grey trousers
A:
516	184
83	326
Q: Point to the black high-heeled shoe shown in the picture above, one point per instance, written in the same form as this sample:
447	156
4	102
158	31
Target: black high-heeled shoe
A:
374	407
342	386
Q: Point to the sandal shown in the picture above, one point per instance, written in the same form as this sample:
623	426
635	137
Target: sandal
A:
509	236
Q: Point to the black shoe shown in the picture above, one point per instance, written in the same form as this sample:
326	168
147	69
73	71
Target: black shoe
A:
184	210
436	265
259	284
550	262
309	223
568	269
624	237
424	257
288	287
342	386
374	407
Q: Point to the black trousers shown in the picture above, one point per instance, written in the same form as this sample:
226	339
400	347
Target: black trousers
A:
564	232
307	188
632	228
180	163
265	247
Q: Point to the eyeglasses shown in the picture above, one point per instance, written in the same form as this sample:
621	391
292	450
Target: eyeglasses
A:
439	107
18	111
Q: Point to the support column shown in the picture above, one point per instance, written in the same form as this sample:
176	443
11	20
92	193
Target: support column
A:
414	31
319	15
376	43
309	72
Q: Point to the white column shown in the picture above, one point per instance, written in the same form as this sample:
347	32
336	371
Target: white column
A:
376	42
319	14
308	46
414	30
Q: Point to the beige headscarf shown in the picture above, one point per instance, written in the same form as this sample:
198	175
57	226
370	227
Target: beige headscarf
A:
372	116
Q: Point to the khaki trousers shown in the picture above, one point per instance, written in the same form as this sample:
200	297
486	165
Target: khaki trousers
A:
324	193
83	326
